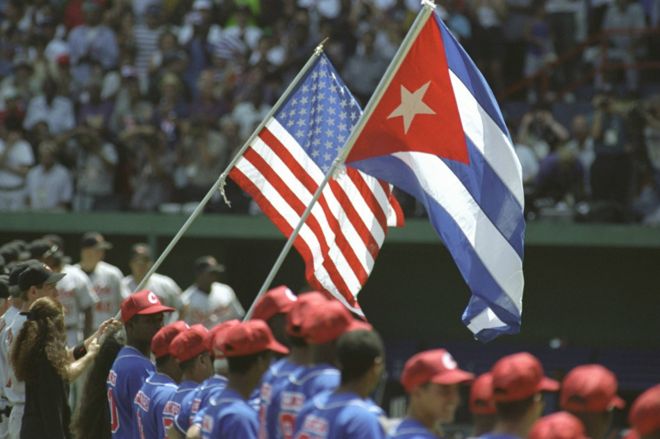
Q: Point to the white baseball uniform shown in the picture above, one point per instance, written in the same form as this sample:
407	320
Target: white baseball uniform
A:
14	389
6	320
76	294
106	282
210	309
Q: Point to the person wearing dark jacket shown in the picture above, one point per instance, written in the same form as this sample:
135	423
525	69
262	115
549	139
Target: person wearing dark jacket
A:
40	358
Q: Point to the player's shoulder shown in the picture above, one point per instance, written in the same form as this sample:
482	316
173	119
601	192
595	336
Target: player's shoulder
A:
109	270
129	357
222	290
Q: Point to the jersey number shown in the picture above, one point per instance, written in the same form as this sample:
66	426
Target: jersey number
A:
287	424
114	414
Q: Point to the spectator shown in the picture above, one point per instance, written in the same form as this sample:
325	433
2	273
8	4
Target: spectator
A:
16	158
540	130
539	43
612	169
92	42
365	68
49	185
154	166
624	18
146	36
131	109
22	80
95	165
95	111
204	154
560	177
582	145
50	107
208	301
209	104
489	39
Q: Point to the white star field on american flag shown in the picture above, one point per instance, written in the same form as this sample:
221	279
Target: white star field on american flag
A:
320	114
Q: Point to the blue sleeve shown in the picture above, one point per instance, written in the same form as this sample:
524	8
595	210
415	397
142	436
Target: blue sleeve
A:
323	382
182	419
238	427
363	426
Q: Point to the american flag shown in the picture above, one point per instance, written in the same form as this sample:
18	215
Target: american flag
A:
284	166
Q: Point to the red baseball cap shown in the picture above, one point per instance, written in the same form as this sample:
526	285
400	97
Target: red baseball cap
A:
160	344
519	376
590	388
218	332
481	395
190	343
276	301
323	324
299	309
433	366
359	325
561	425
644	414
250	337
143	302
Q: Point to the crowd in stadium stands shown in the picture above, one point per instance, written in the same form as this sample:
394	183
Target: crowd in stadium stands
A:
176	365
139	105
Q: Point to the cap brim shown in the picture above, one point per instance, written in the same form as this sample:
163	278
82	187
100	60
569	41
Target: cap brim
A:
277	347
54	278
154	309
455	376
548	385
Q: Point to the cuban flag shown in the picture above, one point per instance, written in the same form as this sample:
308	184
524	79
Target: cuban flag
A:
437	132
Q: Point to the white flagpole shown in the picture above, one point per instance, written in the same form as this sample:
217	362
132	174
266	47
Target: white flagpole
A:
427	9
220	182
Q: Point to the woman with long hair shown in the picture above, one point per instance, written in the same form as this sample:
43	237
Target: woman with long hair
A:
40	358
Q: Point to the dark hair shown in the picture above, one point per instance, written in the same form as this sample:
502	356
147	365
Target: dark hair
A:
514	410
356	353
296	341
92	417
242	365
162	361
42	335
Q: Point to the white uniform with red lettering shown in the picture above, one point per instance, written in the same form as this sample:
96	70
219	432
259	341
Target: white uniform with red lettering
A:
210	309
14	389
106	282
76	294
5	321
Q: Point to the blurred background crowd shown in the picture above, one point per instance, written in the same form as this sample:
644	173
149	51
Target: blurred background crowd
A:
138	105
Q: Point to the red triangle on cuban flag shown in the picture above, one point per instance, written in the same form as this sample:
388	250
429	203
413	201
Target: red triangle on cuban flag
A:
418	110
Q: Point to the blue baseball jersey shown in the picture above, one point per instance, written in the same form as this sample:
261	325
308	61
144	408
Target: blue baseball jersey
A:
342	415
149	404
301	386
209	389
412	429
125	379
173	406
272	383
229	416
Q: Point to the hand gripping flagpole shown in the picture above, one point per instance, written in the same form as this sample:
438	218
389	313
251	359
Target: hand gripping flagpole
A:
220	182
427	9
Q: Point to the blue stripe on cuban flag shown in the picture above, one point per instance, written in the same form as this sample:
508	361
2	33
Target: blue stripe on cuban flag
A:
476	207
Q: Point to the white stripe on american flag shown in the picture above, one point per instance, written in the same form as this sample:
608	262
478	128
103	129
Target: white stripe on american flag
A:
307	163
347	271
305	197
306	234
